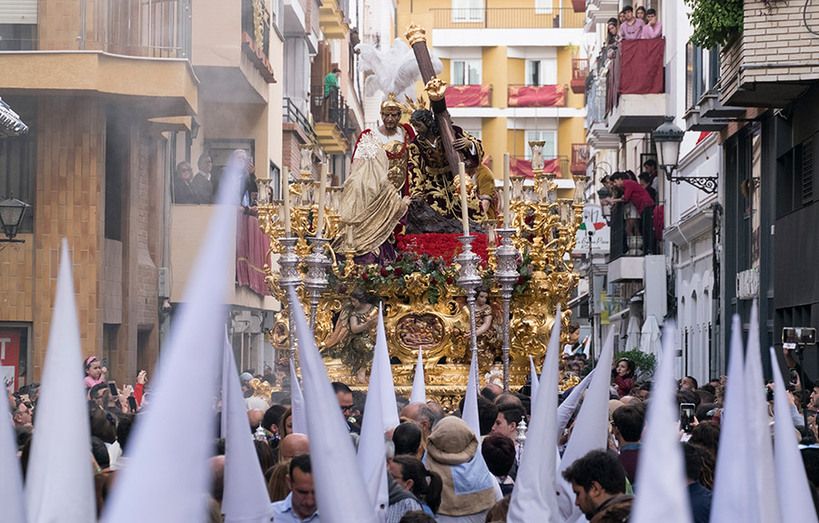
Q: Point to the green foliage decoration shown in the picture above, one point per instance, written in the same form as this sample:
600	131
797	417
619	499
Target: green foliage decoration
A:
716	22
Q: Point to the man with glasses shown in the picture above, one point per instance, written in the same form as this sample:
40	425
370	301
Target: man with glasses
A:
344	395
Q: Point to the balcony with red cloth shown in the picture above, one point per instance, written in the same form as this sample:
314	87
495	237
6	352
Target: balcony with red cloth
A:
537	96
469	96
251	254
635	94
521	166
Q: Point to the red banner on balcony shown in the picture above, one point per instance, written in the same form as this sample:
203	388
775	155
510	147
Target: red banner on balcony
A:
522	167
641	66
251	254
537	96
468	96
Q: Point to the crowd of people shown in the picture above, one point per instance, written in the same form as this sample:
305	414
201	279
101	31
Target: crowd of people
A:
201	188
439	470
634	24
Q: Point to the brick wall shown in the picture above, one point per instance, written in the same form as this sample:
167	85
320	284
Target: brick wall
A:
775	47
291	154
69	179
780	36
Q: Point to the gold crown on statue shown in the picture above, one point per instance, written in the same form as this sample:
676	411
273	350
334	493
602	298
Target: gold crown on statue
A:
391	103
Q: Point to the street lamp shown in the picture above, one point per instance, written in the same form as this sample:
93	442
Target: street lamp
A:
668	138
12	212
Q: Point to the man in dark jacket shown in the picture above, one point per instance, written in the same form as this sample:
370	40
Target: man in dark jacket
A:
599	484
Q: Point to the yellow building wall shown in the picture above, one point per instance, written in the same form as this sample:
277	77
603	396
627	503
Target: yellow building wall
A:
494	73
517	71
564	76
418	12
569	131
445	75
516	142
494	142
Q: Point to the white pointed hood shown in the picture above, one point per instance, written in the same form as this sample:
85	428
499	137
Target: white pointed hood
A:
372	452
331	449
60	479
297	402
470	413
245	498
534	497
385	385
758	427
662	488
168	475
733	479
791	482
591	427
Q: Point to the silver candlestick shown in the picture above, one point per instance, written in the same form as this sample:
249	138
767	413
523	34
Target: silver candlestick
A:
469	280
316	280
289	277
507	275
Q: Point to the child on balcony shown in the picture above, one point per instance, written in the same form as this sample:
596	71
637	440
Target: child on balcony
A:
652	28
632	27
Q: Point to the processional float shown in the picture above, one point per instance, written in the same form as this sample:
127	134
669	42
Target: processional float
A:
429	302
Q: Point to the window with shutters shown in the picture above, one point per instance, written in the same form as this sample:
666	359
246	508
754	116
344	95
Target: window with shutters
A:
18	25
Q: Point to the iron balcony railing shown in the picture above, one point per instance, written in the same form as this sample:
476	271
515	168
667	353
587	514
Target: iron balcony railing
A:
622	244
507	18
292	114
331	108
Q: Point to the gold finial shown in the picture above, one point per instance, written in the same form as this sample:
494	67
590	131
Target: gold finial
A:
415	34
435	88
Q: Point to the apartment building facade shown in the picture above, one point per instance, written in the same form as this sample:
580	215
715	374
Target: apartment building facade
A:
739	205
117	94
516	73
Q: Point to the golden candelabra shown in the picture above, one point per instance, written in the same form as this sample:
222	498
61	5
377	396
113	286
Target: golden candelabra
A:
425	309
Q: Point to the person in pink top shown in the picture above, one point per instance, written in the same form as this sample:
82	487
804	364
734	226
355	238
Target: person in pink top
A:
632	27
94	372
653	27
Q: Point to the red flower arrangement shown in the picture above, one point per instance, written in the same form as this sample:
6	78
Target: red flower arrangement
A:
440	245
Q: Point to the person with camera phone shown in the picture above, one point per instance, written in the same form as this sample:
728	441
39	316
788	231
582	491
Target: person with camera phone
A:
687	419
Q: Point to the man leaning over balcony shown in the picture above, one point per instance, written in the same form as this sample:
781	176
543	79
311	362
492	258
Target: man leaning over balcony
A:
637	201
632	27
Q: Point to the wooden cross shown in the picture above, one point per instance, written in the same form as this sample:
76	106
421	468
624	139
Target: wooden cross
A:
417	38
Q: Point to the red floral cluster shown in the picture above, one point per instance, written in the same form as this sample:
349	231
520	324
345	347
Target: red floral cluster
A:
442	245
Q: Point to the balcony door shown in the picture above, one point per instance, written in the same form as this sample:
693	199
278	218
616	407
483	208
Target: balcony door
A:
466	72
541	72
